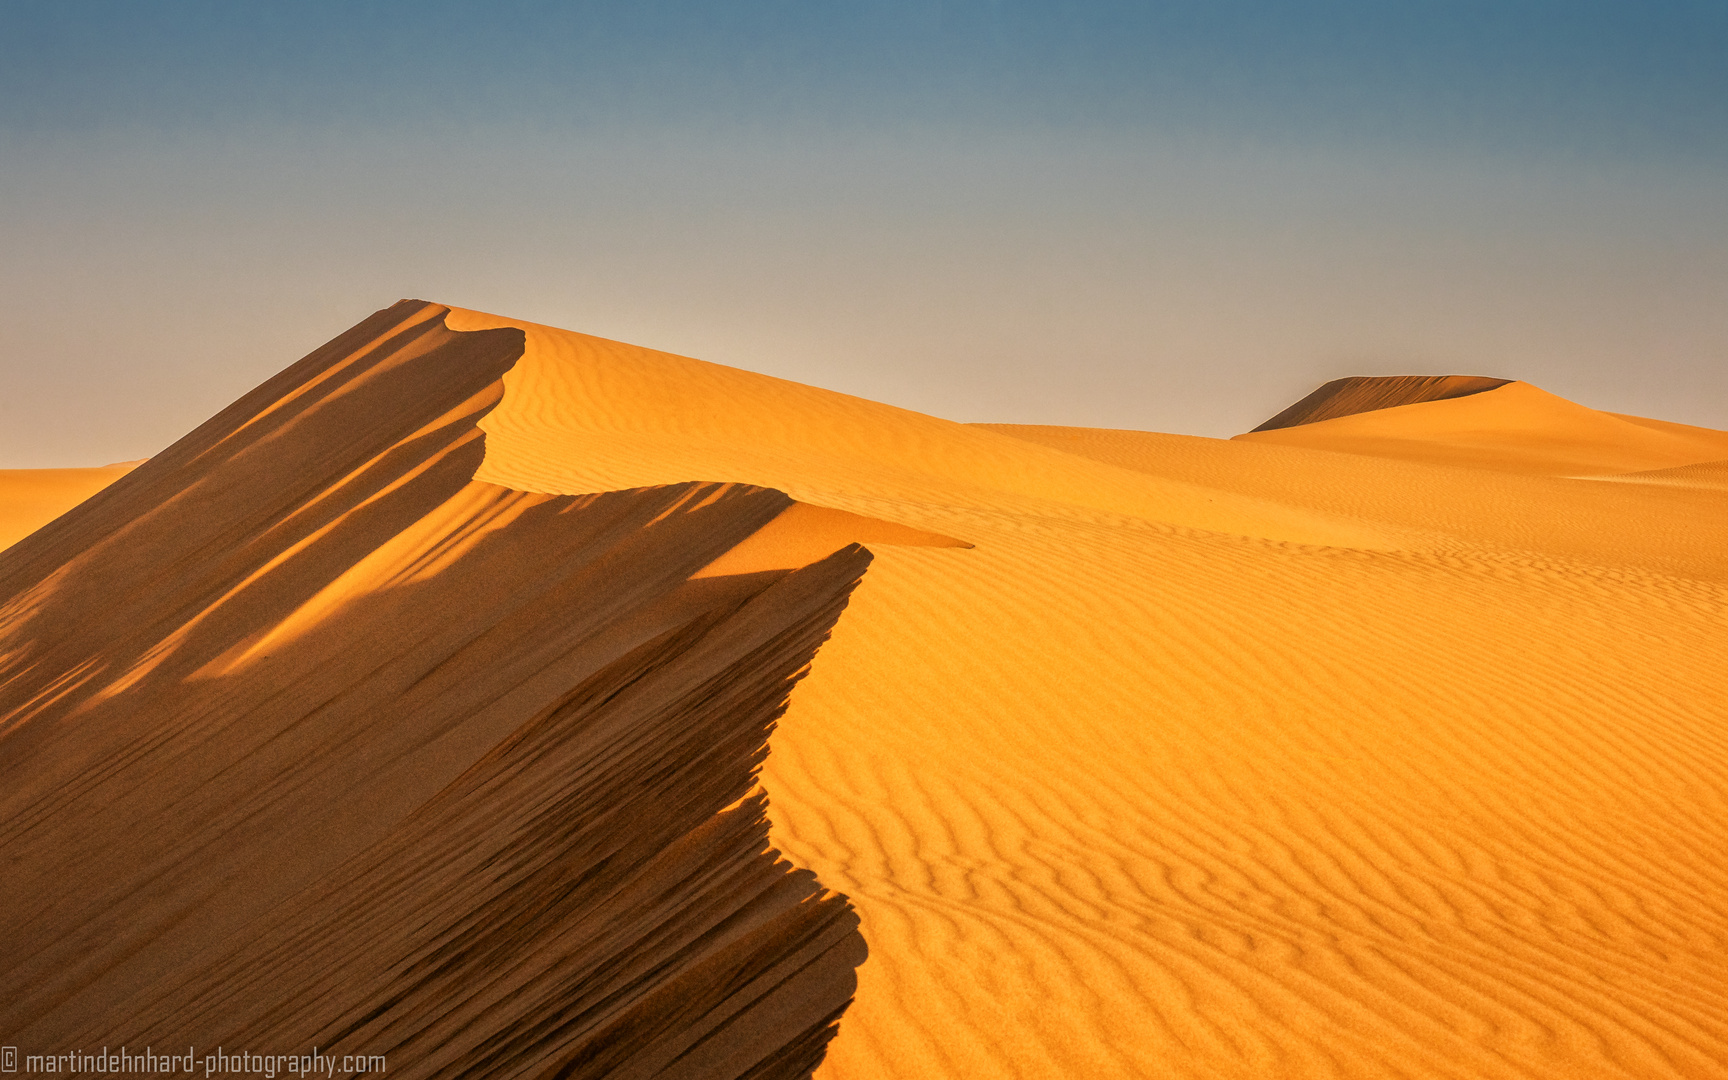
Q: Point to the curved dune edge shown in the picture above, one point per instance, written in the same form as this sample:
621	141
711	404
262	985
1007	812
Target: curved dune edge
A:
308	738
583	413
1221	759
1359	394
1515	428
1168	775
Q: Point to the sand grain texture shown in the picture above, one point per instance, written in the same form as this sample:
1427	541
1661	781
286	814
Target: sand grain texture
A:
310	739
1373	747
1224	759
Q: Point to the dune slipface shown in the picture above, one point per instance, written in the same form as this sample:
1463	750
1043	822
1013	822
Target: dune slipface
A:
1360	394
1219	758
1378	746
310	739
1507	427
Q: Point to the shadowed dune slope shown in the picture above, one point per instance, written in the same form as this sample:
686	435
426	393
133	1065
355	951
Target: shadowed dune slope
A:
1359	394
1221	759
309	738
31	498
1511	428
1137	755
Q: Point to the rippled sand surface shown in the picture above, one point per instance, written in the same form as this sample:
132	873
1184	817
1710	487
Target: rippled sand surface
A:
1395	752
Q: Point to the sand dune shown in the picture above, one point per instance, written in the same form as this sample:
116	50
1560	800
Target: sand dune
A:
31	498
1441	509
1347	397
1151	782
1513	428
310	739
1386	753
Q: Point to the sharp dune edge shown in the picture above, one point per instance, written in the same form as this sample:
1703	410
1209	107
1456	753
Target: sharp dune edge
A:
419	711
310	739
1346	397
1514	427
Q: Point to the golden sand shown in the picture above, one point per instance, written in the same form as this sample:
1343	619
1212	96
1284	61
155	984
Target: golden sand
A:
1389	745
309	739
1514	428
1372	747
31	498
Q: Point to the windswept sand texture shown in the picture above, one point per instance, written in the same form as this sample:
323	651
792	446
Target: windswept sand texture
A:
310	739
1708	475
1138	755
1224	759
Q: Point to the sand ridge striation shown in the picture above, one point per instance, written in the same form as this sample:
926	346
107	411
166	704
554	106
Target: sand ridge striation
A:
1381	745
308	738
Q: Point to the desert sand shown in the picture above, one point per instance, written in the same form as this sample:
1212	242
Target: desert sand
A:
1359	394
31	498
1512	428
1390	744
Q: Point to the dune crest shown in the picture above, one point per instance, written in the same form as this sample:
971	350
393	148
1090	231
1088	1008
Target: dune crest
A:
803	533
1205	759
1220	759
309	738
586	414
1511	428
1359	394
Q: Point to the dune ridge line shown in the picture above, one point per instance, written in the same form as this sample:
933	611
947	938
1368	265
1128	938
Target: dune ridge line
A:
309	738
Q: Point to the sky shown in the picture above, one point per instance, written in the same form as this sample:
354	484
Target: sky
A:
1171	216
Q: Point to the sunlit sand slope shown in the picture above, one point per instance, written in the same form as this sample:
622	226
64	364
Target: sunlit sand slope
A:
31	498
1514	428
1346	397
1140	786
1708	475
587	414
307	738
1451	508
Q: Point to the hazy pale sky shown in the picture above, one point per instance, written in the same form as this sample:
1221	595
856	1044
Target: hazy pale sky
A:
1169	216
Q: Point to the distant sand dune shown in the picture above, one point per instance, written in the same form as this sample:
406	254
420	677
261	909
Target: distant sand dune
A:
1543	516
1372	747
31	498
1347	397
1216	759
1513	428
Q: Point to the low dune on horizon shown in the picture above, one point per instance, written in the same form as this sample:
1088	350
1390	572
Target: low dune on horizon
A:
509	701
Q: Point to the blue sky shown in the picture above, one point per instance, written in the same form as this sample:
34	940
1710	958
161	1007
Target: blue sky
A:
1172	216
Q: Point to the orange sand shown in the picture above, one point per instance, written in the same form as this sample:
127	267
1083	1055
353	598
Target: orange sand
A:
1711	475
309	739
31	498
1228	758
1514	428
